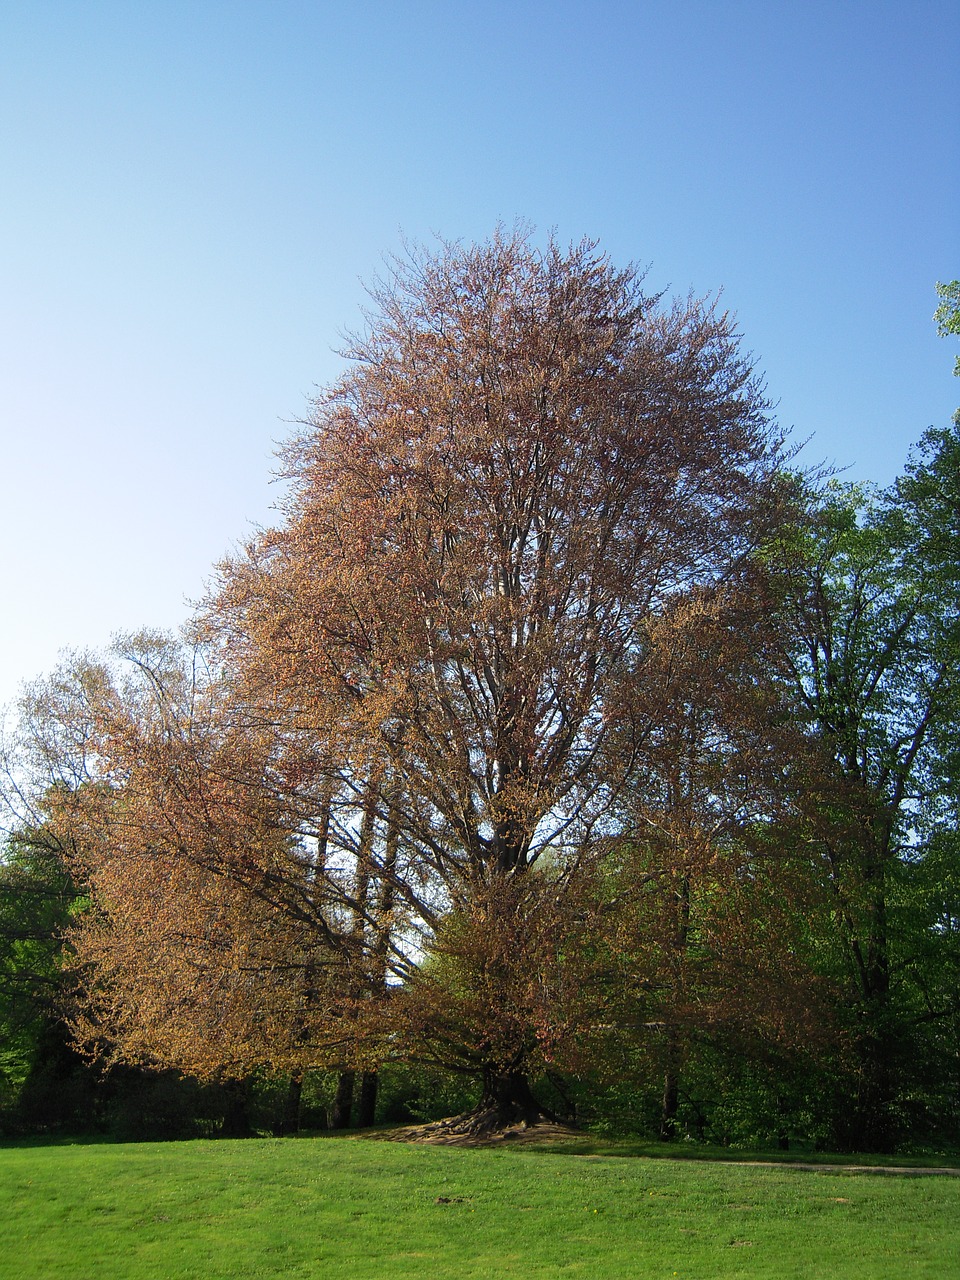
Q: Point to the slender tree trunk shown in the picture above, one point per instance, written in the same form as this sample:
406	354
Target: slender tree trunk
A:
370	1080
323	829
288	1121
341	1112
671	1090
568	1109
671	1072
783	1136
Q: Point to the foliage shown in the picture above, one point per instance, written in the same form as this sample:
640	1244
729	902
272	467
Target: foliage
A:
200	897
557	734
947	314
712	906
875	614
47	1087
405	729
36	899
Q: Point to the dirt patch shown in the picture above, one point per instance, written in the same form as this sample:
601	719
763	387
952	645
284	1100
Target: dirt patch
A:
451	1133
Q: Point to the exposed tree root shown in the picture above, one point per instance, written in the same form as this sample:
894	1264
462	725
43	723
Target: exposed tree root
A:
485	1126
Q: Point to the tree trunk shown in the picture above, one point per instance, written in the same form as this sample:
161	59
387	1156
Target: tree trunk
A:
288	1120
671	1093
783	1134
236	1120
671	1070
508	1099
869	1124
507	1103
367	1105
343	1101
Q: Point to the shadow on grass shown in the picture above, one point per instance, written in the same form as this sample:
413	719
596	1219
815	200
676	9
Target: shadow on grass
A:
583	1144
630	1148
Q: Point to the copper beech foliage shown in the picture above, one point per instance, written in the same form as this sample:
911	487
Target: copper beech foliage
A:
209	943
713	924
430	712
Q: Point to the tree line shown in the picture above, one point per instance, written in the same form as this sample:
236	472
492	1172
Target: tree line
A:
562	738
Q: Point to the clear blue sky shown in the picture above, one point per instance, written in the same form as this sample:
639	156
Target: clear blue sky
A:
192	193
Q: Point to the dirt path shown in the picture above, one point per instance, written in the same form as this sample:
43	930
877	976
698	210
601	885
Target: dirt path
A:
904	1171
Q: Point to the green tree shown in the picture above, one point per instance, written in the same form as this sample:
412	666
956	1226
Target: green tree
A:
947	314
36	897
876	668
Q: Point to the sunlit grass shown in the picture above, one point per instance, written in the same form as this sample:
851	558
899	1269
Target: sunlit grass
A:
348	1208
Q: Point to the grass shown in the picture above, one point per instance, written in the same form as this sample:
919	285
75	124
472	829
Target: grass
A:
339	1207
590	1144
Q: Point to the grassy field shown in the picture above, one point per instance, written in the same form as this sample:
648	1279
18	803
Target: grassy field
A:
339	1207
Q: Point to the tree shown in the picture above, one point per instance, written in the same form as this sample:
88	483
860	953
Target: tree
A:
207	945
36	897
947	314
413	732
528	459
878	628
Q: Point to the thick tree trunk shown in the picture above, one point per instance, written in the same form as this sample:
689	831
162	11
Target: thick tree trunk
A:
236	1120
507	1102
506	1105
367	1105
870	1124
507	1098
340	1113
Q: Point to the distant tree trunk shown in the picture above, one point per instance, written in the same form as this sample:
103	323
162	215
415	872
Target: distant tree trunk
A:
867	1122
340	1113
671	1073
671	1090
367	1103
568	1108
288	1120
236	1117
783	1136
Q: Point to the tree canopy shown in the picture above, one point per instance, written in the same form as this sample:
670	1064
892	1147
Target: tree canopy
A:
556	724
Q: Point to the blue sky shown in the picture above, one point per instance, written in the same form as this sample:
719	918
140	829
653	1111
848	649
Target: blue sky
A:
192	194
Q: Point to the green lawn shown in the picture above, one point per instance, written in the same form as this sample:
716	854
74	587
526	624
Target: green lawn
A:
336	1207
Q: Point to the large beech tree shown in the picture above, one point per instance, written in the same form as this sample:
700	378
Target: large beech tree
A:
418	727
528	459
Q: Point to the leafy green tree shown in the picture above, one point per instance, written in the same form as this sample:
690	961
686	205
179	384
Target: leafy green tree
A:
876	667
36	898
947	314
